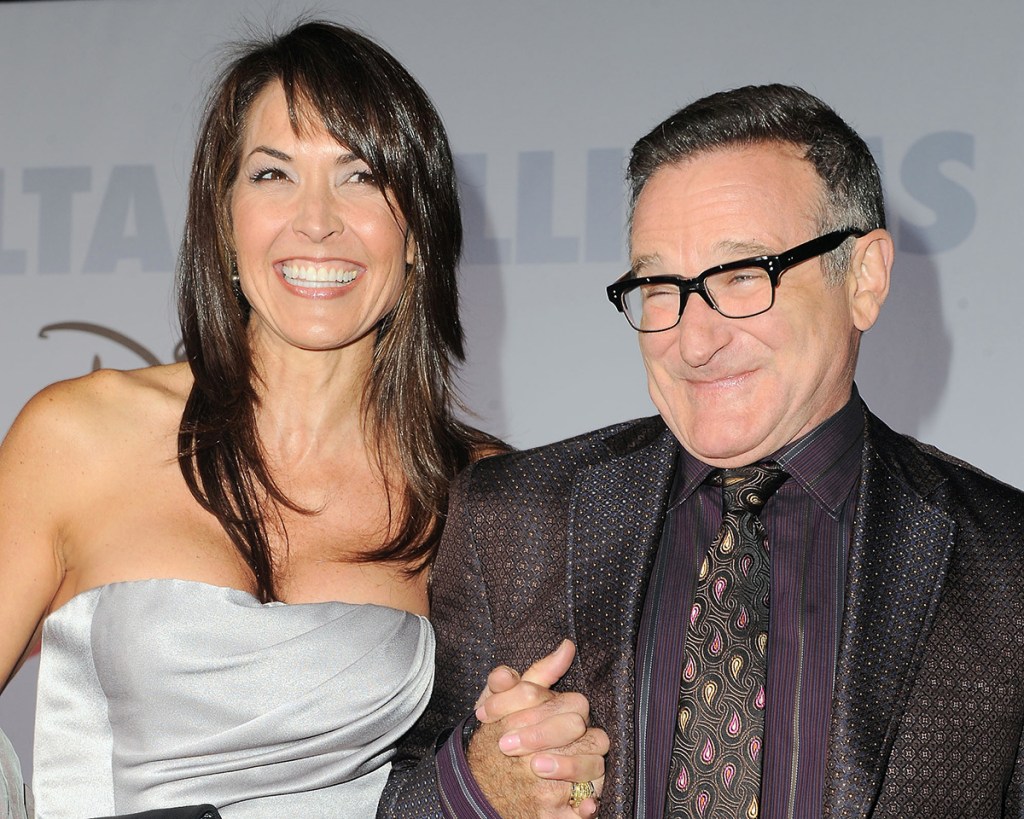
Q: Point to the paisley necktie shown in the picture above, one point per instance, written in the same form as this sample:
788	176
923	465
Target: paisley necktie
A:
716	750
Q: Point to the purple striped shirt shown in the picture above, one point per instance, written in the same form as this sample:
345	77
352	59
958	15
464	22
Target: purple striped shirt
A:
809	522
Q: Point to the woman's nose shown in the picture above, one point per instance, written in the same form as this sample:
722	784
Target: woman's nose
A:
317	216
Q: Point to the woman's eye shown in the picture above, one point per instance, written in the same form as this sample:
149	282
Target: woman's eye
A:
362	178
268	175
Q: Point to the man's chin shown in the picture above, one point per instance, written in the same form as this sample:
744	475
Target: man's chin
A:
727	452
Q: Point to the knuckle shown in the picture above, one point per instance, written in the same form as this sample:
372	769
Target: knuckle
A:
589	767
515	722
535	695
567	731
526	695
600	740
564	730
574	701
579	724
533	736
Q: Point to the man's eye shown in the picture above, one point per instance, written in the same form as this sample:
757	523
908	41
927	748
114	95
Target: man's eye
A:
742	278
652	292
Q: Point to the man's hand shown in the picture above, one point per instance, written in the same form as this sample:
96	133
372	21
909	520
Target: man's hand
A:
533	742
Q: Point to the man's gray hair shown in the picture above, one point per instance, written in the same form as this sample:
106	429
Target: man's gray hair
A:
775	113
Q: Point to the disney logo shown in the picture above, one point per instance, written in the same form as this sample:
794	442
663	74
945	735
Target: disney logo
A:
111	335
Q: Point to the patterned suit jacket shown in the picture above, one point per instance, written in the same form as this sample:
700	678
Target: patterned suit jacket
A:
928	705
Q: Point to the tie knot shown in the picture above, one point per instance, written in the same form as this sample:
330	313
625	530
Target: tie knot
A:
746	489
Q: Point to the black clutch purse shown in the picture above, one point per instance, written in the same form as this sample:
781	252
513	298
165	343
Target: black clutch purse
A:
189	812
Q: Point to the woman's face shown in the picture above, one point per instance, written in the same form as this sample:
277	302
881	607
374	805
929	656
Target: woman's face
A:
321	256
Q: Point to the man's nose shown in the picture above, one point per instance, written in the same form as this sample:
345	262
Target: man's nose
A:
702	331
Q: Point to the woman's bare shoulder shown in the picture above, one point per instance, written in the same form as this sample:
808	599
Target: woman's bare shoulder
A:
75	450
106	387
102	407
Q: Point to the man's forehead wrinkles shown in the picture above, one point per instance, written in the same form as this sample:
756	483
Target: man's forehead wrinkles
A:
721	251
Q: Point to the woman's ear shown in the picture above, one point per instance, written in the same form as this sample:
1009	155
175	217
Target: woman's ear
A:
410	249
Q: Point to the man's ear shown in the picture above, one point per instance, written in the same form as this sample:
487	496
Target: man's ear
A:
870	266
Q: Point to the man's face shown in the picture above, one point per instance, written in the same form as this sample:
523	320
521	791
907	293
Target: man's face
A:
733	391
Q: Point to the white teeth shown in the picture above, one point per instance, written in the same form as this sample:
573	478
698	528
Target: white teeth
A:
320	275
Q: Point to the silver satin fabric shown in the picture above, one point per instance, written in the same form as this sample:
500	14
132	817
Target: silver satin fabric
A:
15	798
158	693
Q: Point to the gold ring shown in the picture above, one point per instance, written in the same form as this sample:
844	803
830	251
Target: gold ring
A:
580	791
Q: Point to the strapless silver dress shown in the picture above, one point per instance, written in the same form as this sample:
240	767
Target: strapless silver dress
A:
157	693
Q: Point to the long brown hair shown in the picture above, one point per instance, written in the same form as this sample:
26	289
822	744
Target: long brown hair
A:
368	102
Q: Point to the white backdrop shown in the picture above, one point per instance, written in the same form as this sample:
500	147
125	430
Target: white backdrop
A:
99	101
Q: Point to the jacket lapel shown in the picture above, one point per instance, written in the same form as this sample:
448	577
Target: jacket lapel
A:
898	560
617	514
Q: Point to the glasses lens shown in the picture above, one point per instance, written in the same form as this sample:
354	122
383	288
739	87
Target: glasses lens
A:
652	307
740	293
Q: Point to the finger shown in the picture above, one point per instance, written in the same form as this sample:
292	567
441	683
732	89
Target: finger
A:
500	679
557	732
576	768
520	704
528	705
556	707
538	677
587	808
550	669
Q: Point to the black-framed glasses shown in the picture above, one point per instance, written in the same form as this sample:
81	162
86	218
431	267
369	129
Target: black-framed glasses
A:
740	289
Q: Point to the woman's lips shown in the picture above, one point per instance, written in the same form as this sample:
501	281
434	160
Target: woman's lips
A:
331	273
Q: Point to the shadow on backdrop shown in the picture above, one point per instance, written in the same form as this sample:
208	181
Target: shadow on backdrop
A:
905	358
482	307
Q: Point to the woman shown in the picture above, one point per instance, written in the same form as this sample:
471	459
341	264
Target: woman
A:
153	523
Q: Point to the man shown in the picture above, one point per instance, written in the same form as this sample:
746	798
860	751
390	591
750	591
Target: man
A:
890	681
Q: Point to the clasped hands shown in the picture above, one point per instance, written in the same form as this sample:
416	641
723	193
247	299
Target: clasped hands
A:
533	743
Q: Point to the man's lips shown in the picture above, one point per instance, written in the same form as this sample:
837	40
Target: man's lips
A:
719	381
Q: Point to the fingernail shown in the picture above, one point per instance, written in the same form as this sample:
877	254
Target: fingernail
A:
543	764
510	742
